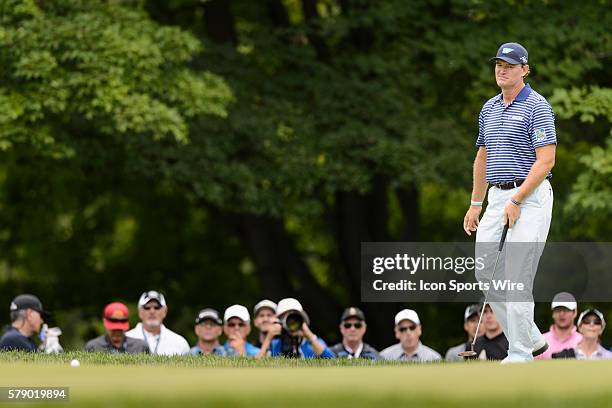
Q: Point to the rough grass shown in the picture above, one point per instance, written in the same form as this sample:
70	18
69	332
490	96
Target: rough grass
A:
151	381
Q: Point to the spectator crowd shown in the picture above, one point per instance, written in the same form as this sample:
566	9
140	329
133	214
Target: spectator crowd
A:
283	329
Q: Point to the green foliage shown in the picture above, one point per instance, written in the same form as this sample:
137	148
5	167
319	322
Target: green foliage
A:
592	192
591	197
585	103
96	65
133	143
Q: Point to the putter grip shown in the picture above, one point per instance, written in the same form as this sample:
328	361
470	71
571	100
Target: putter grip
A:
503	238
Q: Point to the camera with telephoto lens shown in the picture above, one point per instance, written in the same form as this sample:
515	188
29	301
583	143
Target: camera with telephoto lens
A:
292	322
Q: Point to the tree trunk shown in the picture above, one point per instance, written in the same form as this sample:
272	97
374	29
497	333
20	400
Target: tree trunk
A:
362	218
408	198
283	272
219	22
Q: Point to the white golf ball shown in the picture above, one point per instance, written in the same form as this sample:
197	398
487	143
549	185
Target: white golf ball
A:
75	363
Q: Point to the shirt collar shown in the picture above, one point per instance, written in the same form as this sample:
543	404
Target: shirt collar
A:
112	346
574	333
151	335
355	353
415	353
600	352
522	95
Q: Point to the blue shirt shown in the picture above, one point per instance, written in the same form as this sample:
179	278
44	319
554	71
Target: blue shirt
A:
249	349
305	349
12	339
511	134
218	350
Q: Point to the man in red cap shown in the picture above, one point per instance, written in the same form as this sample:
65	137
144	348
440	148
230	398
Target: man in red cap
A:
116	323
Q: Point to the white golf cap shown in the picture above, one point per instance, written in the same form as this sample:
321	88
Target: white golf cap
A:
564	299
407	314
238	311
266	303
594	312
152	295
288	304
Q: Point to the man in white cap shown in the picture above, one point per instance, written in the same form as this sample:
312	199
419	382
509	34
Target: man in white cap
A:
264	315
237	328
562	334
152	311
296	339
408	332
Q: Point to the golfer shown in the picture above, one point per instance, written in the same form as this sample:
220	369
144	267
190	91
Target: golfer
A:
516	152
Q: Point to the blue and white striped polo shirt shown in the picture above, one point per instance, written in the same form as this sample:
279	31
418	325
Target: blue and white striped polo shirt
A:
511	134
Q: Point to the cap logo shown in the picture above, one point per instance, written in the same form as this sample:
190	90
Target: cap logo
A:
13	306
507	50
117	314
523	59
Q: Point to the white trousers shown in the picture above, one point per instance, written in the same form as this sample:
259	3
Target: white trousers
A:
516	318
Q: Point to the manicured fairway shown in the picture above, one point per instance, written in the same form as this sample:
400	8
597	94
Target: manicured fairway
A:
113	381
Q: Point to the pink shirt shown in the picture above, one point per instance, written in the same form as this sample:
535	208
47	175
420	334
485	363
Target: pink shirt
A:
555	345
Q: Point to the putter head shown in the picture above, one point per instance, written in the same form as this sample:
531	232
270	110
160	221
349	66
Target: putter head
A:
468	353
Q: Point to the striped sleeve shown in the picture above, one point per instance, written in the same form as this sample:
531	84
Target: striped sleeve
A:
480	141
542	129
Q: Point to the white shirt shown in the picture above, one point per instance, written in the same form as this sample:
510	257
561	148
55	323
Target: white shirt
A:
167	343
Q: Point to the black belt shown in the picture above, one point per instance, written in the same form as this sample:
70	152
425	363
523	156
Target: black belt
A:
509	185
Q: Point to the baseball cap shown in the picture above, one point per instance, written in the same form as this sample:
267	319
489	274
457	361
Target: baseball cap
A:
352	312
512	53
291	304
238	311
116	316
27	301
146	297
564	299
407	314
288	304
208	314
596	313
470	311
266	303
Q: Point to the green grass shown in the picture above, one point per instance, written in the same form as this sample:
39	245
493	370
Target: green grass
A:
151	381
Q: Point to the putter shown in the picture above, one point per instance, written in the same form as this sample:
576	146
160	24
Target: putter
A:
471	352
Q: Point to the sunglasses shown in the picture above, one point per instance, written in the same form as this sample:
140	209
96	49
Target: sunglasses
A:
236	324
402	329
589	322
151	307
355	325
208	323
116	320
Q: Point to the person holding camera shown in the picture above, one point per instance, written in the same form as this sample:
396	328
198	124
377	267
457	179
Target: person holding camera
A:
291	336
